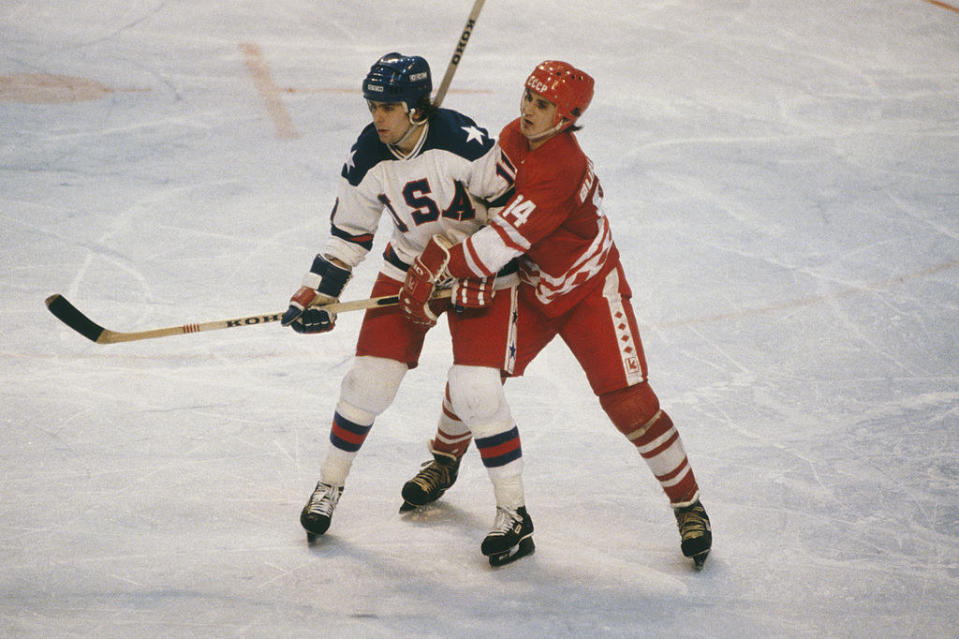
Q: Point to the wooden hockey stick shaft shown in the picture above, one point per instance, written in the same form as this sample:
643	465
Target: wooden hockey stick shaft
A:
72	317
458	52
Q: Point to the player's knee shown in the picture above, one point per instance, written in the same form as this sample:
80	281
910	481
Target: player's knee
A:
632	409
370	386
476	395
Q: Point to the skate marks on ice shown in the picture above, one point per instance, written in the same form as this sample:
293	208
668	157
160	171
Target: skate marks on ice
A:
398	574
787	305
443	512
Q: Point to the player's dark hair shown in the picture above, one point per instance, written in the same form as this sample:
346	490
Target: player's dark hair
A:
425	109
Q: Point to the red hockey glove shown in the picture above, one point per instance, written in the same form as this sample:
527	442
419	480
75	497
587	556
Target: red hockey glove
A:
322	285
421	279
473	293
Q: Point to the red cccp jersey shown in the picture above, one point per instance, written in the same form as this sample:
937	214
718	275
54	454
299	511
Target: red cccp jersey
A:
554	220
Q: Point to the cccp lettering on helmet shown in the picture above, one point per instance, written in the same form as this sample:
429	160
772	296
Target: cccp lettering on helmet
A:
537	85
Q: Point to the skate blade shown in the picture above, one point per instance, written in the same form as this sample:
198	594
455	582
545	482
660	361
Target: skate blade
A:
313	538
523	548
700	560
408	507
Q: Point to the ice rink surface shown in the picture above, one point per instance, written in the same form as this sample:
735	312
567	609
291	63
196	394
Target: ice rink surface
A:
782	179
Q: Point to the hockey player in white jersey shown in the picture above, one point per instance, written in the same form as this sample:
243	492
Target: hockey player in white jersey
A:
434	172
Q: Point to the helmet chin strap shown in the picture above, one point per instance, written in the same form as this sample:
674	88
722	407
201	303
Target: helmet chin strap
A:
413	125
548	132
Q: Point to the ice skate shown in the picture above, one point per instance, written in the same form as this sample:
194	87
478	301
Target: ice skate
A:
510	538
316	515
431	482
695	531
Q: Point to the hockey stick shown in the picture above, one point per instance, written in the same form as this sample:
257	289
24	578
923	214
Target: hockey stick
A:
72	317
458	52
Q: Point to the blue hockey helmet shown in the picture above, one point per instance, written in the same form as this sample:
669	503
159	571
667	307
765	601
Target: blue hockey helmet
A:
398	78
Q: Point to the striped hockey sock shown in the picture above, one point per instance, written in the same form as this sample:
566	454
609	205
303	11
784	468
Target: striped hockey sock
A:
658	443
503	457
452	435
346	439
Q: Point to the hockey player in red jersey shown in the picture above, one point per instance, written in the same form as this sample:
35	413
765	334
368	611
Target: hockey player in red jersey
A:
573	285
432	171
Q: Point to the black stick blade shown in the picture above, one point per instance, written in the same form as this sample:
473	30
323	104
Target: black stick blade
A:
69	315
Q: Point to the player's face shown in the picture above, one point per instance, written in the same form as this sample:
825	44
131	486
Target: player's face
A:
536	114
390	120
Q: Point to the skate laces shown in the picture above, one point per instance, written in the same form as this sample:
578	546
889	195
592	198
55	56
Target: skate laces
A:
323	500
506	518
692	521
432	474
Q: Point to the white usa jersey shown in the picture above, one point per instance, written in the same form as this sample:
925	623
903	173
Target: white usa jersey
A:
441	188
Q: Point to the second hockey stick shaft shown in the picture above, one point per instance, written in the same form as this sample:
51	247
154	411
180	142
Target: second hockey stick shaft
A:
458	52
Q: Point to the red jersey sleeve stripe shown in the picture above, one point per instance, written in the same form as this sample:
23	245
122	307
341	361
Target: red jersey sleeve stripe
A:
511	237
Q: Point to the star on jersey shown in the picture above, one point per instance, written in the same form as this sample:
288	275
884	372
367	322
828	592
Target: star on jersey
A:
349	160
473	134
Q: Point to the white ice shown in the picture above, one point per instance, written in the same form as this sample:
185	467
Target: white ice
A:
781	177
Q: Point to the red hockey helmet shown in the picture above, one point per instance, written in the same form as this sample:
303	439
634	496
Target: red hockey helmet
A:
570	89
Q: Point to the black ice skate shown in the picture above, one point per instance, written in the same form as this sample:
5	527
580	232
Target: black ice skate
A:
510	538
696	534
431	482
315	516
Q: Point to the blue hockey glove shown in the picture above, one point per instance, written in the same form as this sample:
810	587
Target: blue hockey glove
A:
322	285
